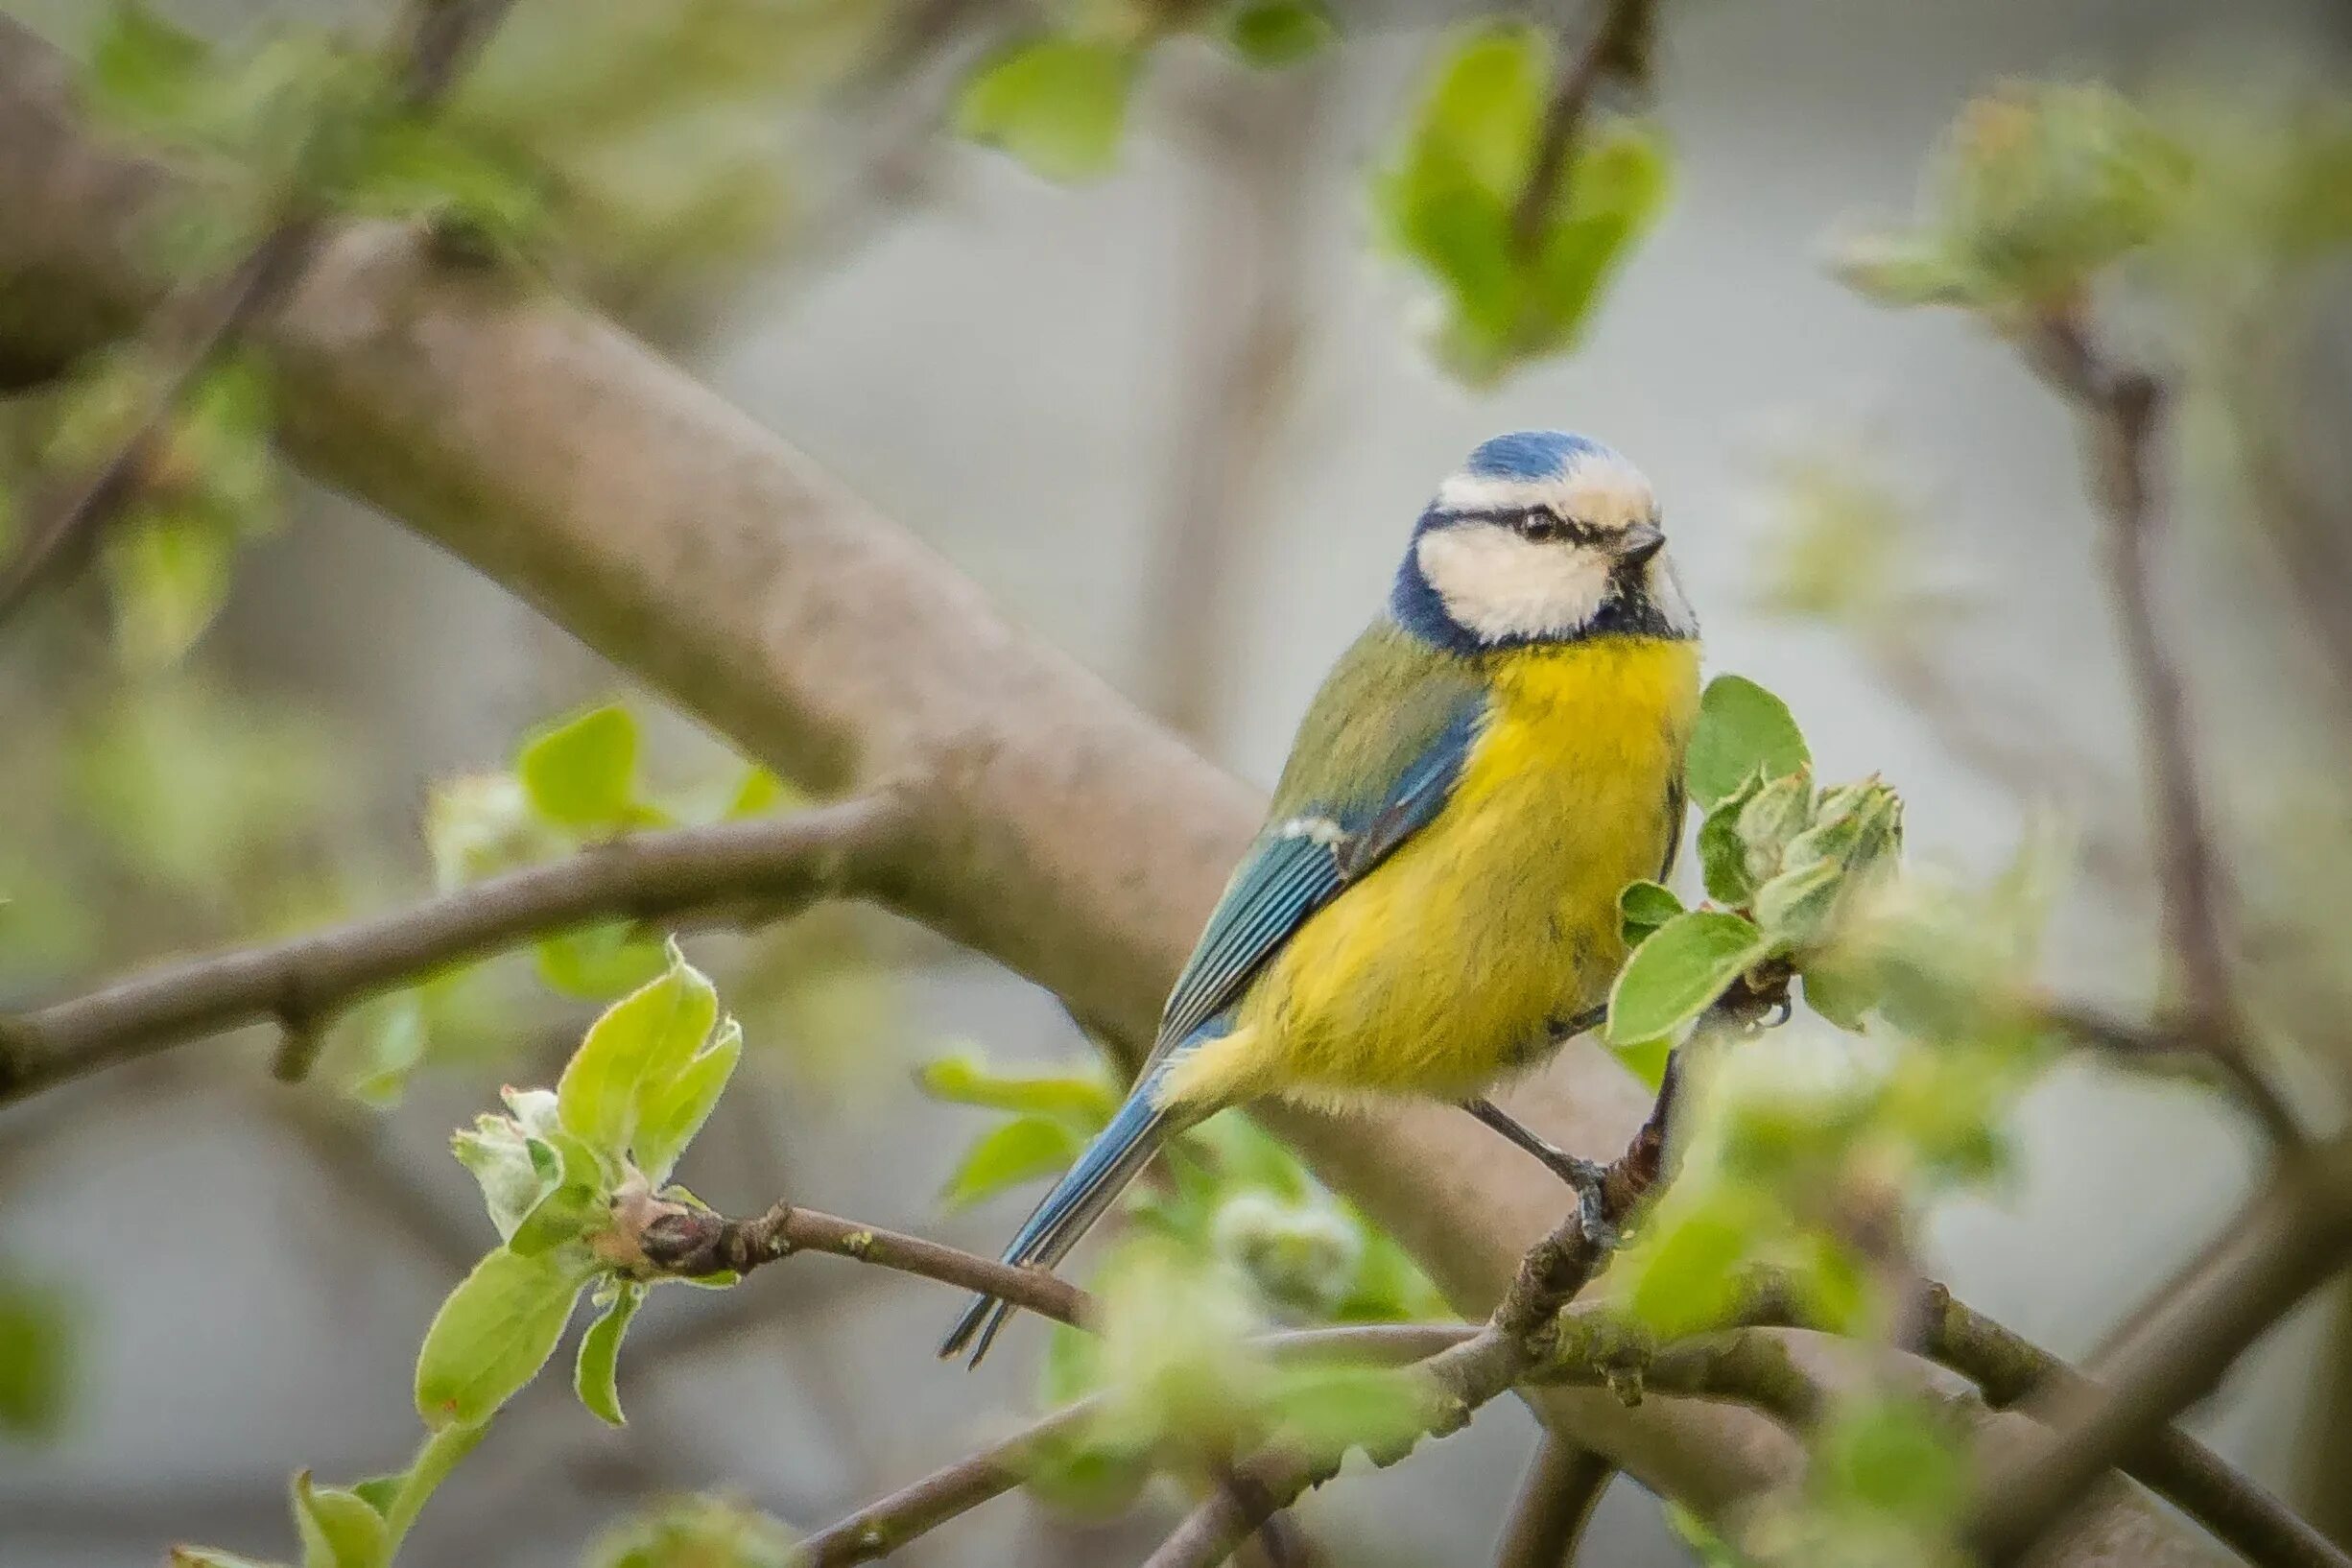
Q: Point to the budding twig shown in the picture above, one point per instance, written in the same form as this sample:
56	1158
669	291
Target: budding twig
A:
2121	406
674	1238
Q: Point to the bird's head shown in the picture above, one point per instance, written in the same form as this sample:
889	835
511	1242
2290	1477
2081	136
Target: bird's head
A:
1541	536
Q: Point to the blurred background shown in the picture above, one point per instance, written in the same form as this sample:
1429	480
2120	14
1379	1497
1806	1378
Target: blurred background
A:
1176	421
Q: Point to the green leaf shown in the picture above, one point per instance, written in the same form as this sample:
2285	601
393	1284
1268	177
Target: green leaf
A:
1449	200
1021	1149
36	1357
1843	994
144	69
339	1529
1614	190
1711	1550
1909	269
392	1041
674	1112
1301	1256
1794	907
168	574
1892	1457
1057	104
576	1200
1722	854
1326	1410
595	1375
1081	1472
1644	907
965	1079
412	168
494	1333
597	962
1646	1060
1271	34
1770	817
582	773
380	1492
1685	1268
1742	729
1672	978
702	1532
760	793
631	1054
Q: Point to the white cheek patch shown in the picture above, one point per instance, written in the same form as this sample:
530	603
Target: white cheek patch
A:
1497	584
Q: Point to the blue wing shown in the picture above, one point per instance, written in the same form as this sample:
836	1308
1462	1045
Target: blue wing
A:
1318	842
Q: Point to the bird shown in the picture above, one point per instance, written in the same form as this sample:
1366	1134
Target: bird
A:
1432	904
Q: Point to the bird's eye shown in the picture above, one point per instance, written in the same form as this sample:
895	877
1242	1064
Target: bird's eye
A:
1540	525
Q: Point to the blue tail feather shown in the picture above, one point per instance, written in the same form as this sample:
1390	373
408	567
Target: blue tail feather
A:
1069	1211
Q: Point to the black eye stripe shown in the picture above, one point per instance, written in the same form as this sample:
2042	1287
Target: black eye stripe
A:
1543	524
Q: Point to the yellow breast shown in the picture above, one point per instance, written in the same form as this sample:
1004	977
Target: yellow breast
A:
1447	964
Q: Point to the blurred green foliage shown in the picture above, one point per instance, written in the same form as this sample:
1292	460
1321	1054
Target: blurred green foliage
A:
1057	104
1229	1234
37	1357
1450	201
699	1531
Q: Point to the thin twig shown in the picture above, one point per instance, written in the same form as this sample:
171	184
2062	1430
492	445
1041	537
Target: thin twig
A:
440	38
678	1239
1556	1502
2293	1237
2121	406
1618	50
2184	1046
764	870
2010	1369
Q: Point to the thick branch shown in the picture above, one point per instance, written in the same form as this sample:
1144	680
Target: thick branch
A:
2009	1369
2292	1239
775	865
1556	1502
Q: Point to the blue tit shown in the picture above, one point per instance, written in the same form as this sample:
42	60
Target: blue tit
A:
1432	903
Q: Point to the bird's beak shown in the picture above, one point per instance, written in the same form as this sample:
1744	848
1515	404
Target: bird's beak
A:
1638	543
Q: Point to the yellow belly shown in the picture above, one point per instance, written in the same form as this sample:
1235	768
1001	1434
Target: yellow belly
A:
1448	966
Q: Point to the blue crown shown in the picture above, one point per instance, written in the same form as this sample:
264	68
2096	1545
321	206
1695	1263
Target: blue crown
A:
1532	454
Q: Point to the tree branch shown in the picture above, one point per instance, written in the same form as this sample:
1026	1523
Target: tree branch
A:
2292	1238
778	865
679	1239
1616	50
1556	1502
2011	1369
2121	406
